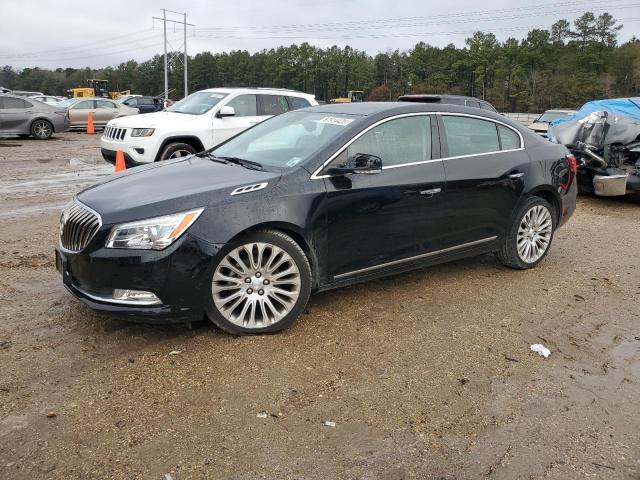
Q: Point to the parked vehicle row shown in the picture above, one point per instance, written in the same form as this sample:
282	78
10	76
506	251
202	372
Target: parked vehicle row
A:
197	122
306	201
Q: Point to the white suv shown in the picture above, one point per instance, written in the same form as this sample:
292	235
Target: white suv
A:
195	123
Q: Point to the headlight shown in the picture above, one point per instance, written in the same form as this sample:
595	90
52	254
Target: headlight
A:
153	233
142	132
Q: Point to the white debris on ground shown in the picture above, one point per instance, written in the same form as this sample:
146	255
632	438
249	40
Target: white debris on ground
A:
541	350
327	423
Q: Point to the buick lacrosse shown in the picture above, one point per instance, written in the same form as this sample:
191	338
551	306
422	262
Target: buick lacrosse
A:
311	200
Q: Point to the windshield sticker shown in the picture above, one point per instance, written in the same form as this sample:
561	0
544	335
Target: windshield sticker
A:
343	122
293	162
216	95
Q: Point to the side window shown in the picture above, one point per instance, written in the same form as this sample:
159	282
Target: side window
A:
471	103
84	105
469	136
244	105
396	142
28	104
298	102
9	102
132	102
508	138
145	101
105	104
274	104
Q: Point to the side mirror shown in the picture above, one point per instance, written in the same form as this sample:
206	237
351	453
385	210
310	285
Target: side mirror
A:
226	111
358	163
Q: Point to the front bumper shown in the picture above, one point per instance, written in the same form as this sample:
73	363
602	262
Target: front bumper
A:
179	275
137	150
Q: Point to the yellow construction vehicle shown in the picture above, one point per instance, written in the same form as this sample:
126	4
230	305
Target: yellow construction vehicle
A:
97	88
352	96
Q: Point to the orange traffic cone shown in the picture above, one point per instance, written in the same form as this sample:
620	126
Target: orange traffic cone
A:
90	129
120	164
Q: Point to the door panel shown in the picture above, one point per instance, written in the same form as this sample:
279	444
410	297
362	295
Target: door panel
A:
483	188
392	215
14	115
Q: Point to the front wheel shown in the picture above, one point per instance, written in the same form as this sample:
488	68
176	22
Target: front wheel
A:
177	150
528	239
41	129
260	284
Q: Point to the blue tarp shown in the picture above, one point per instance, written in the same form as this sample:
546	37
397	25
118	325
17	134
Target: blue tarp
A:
629	107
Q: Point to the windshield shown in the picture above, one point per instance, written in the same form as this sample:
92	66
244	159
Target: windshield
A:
286	140
550	116
67	103
197	103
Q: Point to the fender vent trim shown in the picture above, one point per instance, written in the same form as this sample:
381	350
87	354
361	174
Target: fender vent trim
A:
249	188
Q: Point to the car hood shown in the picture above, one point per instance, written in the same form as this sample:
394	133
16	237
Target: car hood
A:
539	126
153	120
170	187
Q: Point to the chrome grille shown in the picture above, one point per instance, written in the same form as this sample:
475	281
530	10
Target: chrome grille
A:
78	225
114	133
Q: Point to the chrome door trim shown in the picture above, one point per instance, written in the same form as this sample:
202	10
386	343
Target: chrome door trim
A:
417	257
316	174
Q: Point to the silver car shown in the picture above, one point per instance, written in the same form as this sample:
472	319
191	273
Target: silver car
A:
22	116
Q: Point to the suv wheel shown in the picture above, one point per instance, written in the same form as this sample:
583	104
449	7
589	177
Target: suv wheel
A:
528	240
259	285
177	150
41	129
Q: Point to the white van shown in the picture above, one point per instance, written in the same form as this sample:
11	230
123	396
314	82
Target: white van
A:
195	123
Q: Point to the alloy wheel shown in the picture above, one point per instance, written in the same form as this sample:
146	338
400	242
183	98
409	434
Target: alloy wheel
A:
256	285
534	234
42	129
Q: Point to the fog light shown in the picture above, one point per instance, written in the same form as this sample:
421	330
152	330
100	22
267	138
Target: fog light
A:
139	150
136	296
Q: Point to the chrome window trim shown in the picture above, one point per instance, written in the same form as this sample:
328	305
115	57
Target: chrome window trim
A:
416	257
316	174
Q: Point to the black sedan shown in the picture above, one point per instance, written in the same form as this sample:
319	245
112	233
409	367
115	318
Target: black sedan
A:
311	200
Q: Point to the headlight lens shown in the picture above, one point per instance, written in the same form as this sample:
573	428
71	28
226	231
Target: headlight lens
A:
142	132
153	233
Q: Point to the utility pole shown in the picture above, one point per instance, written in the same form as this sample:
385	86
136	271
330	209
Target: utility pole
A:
185	61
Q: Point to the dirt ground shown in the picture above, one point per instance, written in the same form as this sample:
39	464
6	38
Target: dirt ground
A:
426	374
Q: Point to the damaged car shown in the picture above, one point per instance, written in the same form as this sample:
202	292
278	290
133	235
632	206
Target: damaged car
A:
604	136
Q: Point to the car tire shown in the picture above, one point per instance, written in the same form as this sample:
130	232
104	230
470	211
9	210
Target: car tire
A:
177	150
529	238
259	284
41	129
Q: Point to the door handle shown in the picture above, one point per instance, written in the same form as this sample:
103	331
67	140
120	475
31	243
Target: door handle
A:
430	192
515	176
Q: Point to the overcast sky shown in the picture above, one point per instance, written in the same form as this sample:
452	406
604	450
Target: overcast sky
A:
75	34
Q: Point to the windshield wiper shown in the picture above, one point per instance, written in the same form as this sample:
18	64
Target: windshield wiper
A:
251	165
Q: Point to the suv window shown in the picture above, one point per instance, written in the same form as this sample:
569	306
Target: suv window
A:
508	138
470	136
245	105
105	104
274	104
145	101
472	103
84	105
10	102
132	102
396	142
298	102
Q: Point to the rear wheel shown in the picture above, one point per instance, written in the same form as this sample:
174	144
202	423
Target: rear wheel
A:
177	150
260	284
41	129
528	240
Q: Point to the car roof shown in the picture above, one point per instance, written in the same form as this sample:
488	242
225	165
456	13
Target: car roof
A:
258	89
395	108
440	95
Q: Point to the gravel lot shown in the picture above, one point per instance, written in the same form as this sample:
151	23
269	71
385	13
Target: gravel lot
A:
426	374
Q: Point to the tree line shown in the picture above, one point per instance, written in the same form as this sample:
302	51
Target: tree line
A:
563	66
